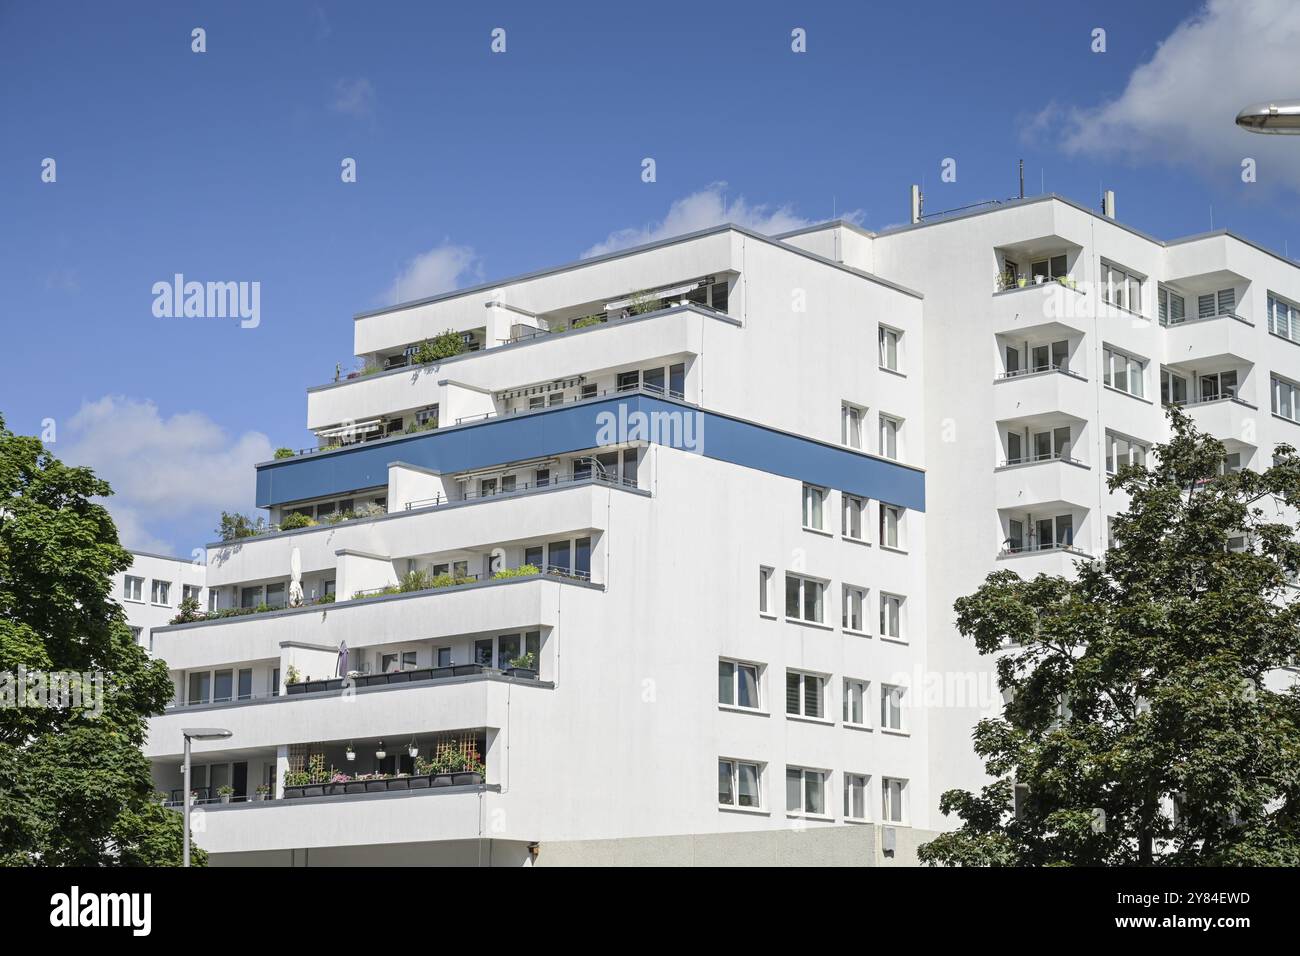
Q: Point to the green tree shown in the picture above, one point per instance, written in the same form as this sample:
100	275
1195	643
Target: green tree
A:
75	788
1139	729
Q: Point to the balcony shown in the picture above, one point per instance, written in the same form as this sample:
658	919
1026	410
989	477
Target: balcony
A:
1042	482
1227	418
1030	561
1051	307
1226	338
1031	394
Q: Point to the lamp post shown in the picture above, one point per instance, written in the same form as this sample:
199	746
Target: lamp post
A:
195	733
1278	117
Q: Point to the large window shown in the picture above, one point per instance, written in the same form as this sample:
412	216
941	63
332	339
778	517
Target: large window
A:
1283	318
190	592
1173	388
1121	287
1123	372
891	616
805	695
1211	304
1053	268
855	796
1217	385
161	592
1286	399
133	588
1173	308
1121	451
738	684
1055	532
890	431
853	523
804	598
893	792
891	707
805	791
738	784
855	602
814	507
891	526
851	418
889	352
855	702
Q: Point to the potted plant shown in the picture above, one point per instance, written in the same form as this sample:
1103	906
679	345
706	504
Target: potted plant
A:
399	781
338	783
263	792
293	681
295	783
524	666
225	793
1021	281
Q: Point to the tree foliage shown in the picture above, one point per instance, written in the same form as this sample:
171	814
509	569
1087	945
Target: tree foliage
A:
75	788
1140	728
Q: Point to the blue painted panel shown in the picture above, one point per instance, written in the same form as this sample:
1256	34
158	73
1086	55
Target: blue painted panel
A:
570	428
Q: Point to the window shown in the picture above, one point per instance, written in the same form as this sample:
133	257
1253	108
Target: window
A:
891	707
133	588
1286	399
244	686
1218	385
1212	304
892	792
1057	532
135	634
190	592
557	555
1122	372
1049	445
1123	451
275	595
1120	288
852	510
805	791
891	520
855	796
805	695
855	600
890	428
1053	268
1173	388
765	591
814	501
891	616
889	342
738	684
200	684
855	702
1173	308
628	381
161	591
250	597
1283	318
738	784
803	598
851	417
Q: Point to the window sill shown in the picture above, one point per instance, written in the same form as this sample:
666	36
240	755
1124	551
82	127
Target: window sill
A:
817	625
892	371
156	604
770	617
894	640
1120	391
735	709
821	531
796	814
893	550
859	821
755	811
865	728
810	720
858	541
854	633
1285	419
141	600
895	733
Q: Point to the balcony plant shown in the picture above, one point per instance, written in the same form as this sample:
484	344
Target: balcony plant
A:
283	452
295	520
440	347
524	570
225	793
525	665
235	526
293	683
187	612
263	792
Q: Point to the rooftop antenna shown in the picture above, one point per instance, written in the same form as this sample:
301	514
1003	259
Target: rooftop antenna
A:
1022	179
1042	181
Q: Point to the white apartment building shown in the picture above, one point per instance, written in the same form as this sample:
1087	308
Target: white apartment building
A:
1054	335
667	521
151	591
752	475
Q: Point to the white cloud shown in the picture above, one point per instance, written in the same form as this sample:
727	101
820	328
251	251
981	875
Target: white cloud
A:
441	269
1178	107
702	209
162	469
354	97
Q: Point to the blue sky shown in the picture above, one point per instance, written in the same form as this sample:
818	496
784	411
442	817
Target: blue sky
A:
471	165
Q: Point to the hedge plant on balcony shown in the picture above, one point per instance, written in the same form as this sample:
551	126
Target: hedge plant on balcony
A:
443	346
524	570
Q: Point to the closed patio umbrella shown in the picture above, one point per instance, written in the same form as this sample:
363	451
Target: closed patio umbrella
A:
343	659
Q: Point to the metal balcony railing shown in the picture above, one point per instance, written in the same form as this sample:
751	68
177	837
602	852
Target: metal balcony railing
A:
589	477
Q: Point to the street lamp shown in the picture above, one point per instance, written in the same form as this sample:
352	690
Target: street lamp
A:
195	733
1283	117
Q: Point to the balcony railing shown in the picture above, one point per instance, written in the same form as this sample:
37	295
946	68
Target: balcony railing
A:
1211	398
346	785
1039	370
656	390
1034	547
1169	322
592	477
1036	459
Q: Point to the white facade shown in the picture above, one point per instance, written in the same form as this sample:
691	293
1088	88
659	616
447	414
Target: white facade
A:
742	626
771	540
1033	393
151	591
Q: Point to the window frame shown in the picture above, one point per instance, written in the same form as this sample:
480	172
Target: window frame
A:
737	665
804	581
804	678
734	765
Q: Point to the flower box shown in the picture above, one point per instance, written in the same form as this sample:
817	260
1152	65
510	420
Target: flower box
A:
298	688
523	673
